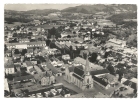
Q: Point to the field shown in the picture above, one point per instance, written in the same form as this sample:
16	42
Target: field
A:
13	24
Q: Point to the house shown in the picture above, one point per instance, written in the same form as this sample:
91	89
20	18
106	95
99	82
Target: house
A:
121	43
86	38
32	71
28	65
28	55
30	51
17	66
43	64
54	71
24	40
8	53
9	67
66	57
45	78
35	33
133	83
106	80
16	56
34	61
25	45
37	69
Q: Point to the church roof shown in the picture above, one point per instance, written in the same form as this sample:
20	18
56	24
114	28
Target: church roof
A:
78	71
78	77
97	72
71	69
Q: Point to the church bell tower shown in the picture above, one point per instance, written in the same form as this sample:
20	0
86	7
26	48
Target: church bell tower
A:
88	80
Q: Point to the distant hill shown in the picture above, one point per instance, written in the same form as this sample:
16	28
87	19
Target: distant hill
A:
87	9
90	9
41	12
35	12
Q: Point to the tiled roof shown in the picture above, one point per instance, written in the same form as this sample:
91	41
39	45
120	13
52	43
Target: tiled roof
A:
39	76
32	69
28	63
99	80
23	78
9	64
78	71
97	72
131	84
28	43
71	69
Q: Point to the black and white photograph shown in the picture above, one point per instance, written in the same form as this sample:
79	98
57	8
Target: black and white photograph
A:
70	51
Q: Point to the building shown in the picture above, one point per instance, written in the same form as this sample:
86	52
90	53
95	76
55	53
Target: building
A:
101	95
28	65
23	78
9	67
6	86
45	78
80	76
131	83
24	40
118	42
25	45
8	53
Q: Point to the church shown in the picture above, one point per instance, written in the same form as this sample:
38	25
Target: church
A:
80	76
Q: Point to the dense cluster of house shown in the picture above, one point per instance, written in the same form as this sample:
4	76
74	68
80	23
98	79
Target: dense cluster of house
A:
32	65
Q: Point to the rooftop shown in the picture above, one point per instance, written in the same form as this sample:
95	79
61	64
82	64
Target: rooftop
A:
28	63
23	78
80	95
93	67
9	64
27	43
101	95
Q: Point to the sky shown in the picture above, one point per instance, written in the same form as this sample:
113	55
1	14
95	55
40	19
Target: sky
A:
25	7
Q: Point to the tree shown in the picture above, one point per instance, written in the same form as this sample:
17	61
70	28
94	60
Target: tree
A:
24	51
93	57
74	32
111	69
5	47
68	36
6	93
48	42
17	51
15	35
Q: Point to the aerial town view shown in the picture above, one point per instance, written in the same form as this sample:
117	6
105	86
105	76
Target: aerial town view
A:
70	51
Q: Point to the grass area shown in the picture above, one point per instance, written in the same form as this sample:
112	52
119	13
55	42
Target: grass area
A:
13	24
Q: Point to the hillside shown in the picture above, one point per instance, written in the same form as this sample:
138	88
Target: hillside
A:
41	12
87	9
99	8
35	12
